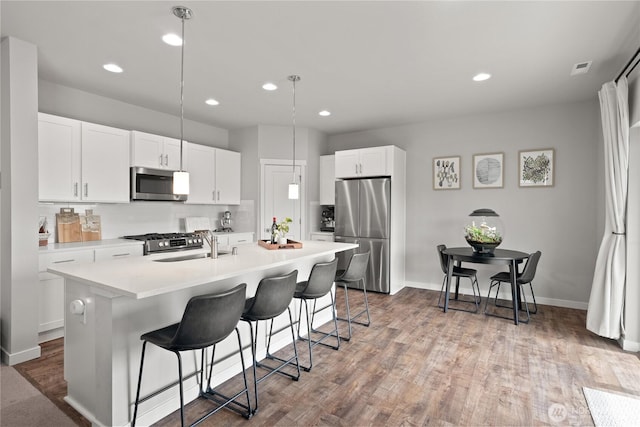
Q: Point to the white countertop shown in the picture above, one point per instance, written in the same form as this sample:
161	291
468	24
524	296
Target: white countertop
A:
94	244
142	277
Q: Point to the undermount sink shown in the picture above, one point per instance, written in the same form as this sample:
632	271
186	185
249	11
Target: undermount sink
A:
189	257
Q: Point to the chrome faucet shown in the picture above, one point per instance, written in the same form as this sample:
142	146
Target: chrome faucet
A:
212	240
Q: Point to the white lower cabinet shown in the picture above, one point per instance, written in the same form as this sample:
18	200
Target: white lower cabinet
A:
51	287
322	236
228	240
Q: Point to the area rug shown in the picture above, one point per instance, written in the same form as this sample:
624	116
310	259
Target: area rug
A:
609	409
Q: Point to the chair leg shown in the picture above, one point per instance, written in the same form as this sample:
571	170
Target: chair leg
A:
476	298
181	388
353	319
535	305
348	318
284	362
135	408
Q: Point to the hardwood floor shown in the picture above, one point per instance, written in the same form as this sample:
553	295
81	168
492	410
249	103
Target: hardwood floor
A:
416	365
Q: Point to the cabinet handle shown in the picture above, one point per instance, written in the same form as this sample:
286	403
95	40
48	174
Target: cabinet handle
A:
86	190
243	240
117	255
63	261
75	189
360	168
218	195
356	169
166	160
161	161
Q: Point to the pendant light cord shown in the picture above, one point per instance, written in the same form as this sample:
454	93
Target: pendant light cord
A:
182	95
294	129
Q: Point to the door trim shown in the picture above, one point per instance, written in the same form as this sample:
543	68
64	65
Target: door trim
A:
303	194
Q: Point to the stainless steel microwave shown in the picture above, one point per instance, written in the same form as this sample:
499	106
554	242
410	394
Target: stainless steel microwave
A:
153	184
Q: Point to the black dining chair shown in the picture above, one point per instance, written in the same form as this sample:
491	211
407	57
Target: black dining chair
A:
207	320
317	286
457	273
527	276
272	298
355	273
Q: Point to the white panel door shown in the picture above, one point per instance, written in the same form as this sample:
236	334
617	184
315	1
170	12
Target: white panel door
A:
171	153
105	164
276	202
58	158
373	161
199	161
347	163
146	150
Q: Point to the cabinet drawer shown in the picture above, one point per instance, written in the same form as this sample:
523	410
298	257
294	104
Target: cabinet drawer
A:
240	239
66	257
118	252
322	237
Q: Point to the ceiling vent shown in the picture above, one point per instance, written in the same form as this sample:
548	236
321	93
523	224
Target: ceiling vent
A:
581	68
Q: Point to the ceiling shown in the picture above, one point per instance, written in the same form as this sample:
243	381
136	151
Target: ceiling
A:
371	63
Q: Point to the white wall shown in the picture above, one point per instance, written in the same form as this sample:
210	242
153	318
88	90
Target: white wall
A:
560	221
76	104
18	270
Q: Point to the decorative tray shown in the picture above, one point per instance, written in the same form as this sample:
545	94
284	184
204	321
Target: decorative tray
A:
291	244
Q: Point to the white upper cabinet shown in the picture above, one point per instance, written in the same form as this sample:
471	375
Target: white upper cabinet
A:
154	151
58	158
214	175
80	161
327	180
362	162
227	171
105	164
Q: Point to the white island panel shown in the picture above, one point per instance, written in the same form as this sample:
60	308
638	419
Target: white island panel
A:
125	298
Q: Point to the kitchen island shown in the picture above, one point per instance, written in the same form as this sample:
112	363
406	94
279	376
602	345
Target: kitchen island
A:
116	301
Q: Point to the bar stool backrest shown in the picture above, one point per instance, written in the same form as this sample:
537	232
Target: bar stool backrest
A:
208	319
321	279
444	259
273	296
357	268
529	271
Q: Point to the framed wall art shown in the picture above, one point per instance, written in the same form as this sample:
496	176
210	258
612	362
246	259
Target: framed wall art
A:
446	173
536	168
488	170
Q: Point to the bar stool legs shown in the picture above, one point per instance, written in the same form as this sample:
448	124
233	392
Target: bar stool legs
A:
352	319
311	342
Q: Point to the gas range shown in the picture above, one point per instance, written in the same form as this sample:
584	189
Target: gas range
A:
165	242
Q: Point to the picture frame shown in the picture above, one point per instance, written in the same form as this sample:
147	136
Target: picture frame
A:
536	168
488	170
446	173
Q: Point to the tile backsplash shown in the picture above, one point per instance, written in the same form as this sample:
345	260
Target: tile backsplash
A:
151	217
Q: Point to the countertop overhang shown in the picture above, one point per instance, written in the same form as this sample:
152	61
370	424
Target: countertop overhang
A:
142	277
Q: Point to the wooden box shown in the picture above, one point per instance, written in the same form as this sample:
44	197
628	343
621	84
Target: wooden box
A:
291	244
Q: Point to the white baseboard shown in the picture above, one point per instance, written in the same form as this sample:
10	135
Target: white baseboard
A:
628	345
504	293
21	356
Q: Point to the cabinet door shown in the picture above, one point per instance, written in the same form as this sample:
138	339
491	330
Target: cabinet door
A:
373	161
146	150
227	173
171	153
105	164
58	158
50	303
327	180
347	164
199	161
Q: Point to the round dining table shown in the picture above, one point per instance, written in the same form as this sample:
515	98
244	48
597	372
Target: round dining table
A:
507	257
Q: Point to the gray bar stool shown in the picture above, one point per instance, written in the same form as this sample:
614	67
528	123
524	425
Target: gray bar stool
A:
319	284
273	297
207	320
355	272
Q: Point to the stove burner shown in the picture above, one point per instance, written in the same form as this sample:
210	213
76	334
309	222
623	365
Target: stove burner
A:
162	242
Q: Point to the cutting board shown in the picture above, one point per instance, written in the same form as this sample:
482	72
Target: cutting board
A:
91	226
193	223
68	225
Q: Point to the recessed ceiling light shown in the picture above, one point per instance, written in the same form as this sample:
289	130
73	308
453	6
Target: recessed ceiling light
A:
172	39
480	77
211	101
269	86
324	113
112	67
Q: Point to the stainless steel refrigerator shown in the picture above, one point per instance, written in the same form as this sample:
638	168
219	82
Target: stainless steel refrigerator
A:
363	216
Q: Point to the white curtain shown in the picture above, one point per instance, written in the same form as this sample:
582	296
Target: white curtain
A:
606	303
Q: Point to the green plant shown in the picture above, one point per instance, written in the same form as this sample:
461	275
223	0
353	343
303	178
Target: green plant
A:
283	226
482	234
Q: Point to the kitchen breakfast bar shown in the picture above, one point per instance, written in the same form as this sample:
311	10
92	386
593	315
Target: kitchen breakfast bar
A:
110	304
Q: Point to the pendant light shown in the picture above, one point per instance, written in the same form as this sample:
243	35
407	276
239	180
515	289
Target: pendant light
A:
294	187
181	178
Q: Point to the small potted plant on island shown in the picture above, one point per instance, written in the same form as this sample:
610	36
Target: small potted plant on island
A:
283	229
